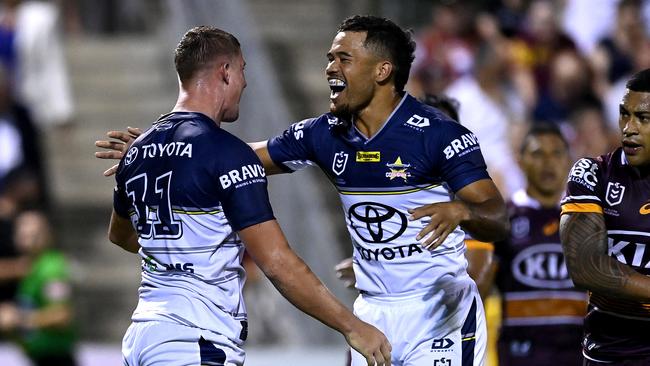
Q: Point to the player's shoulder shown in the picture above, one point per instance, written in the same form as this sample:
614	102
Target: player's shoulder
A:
592	172
431	122
323	122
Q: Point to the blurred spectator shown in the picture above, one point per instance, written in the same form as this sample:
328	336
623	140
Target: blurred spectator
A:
569	84
587	22
34	56
591	135
489	109
509	14
11	146
19	191
443	52
614	94
613	58
41	318
539	41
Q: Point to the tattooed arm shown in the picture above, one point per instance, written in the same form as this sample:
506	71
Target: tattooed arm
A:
584	241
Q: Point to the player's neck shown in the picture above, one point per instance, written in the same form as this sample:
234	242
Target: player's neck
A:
545	200
373	117
199	101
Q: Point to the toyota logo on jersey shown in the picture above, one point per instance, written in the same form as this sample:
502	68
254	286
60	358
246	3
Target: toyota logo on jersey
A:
370	220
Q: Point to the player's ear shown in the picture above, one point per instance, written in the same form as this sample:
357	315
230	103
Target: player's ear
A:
224	72
384	71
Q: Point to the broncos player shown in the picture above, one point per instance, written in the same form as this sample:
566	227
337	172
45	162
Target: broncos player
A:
605	231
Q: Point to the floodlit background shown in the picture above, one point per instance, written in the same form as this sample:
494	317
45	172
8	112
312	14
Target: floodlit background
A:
510	63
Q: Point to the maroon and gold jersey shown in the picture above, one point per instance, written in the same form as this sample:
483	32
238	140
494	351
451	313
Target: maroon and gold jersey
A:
538	297
608	185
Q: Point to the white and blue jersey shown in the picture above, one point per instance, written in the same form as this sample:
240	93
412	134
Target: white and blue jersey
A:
419	157
188	186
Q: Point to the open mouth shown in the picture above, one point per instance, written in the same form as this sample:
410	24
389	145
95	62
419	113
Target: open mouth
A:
631	148
336	87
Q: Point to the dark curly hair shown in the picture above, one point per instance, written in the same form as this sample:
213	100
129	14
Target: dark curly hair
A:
387	39
640	82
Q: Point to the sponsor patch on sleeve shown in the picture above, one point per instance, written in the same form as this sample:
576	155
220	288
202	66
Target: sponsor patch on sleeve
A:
584	173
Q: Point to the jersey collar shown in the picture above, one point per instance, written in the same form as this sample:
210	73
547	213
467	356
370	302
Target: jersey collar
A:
396	115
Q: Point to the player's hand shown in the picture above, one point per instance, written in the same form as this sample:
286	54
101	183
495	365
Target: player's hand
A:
445	217
345	273
370	342
116	147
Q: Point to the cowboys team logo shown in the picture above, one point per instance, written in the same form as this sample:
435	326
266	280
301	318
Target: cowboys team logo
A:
398	170
340	160
131	155
615	193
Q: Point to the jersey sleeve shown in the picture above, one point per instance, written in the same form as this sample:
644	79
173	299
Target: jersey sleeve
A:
121	202
583	188
459	154
294	149
243	189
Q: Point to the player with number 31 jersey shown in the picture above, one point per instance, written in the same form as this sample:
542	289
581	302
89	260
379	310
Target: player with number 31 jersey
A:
168	159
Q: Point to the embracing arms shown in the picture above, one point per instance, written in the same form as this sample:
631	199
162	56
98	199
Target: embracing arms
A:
123	139
268	247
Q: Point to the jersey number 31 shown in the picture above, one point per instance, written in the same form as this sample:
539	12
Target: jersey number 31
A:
153	215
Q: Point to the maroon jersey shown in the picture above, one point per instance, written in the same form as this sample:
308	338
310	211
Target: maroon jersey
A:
538	297
615	328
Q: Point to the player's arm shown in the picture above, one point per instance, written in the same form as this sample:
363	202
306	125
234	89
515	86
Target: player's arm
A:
262	151
584	241
478	208
121	233
486	218
268	247
481	265
121	140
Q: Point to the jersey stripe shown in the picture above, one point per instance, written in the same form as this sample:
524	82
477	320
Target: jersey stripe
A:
475	244
581	208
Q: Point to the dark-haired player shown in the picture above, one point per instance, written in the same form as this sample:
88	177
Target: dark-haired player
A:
605	230
541	310
396	162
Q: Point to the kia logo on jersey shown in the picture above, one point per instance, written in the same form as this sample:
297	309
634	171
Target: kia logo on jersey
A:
371	221
542	266
340	160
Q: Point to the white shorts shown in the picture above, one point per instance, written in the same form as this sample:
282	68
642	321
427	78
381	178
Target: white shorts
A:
435	327
154	343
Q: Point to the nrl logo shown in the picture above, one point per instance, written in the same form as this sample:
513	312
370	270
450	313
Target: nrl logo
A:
340	160
615	193
398	170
